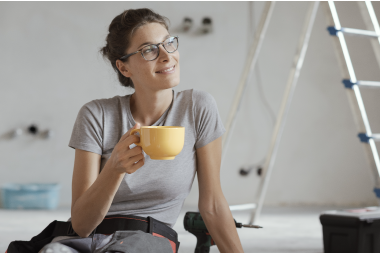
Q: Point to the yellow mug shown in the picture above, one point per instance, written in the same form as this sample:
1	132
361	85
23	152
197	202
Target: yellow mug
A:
161	142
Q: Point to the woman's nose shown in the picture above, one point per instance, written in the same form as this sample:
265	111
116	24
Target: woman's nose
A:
163	55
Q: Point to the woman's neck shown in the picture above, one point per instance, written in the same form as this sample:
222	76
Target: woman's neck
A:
147	108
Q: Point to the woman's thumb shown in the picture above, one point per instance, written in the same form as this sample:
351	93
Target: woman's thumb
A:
136	126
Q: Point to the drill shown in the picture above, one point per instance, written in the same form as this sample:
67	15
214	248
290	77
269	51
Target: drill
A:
194	223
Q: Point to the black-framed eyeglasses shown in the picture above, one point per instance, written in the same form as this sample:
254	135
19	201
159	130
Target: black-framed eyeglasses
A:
151	52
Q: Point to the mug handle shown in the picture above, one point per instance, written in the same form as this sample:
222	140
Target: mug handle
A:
134	131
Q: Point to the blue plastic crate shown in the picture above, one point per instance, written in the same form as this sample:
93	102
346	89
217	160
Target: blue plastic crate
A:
30	196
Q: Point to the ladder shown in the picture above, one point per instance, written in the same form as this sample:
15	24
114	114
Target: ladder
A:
248	69
349	80
352	84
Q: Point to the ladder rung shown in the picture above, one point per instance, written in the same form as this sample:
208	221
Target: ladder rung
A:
243	207
368	83
352	31
348	83
365	138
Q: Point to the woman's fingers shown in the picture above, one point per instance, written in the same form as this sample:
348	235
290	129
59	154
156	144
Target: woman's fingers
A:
128	133
132	161
134	151
124	159
137	165
126	141
129	141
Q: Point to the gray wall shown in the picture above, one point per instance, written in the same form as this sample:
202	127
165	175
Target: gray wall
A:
50	67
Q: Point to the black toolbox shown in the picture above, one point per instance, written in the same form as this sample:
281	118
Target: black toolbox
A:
351	230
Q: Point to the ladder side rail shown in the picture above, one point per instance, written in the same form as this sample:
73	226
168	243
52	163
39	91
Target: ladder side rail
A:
371	23
348	70
354	96
375	158
343	69
248	68
285	106
370	147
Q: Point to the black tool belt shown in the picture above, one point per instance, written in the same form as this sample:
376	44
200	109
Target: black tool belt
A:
109	225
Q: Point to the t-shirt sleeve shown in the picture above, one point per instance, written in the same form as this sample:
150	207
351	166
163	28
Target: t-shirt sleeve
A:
88	128
208	123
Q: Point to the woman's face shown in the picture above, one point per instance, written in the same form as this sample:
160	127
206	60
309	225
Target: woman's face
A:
148	74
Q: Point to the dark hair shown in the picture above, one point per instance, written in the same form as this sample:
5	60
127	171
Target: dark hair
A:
120	33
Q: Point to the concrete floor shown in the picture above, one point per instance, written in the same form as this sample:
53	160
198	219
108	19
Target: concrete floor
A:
286	229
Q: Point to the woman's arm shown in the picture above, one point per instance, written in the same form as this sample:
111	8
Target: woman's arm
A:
92	193
212	203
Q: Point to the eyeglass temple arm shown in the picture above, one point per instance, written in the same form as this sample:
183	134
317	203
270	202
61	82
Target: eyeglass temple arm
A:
126	56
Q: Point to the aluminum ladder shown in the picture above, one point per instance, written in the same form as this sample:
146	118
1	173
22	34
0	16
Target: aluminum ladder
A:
350	82
349	79
249	67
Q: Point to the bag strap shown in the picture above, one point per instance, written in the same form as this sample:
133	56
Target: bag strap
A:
159	229
108	226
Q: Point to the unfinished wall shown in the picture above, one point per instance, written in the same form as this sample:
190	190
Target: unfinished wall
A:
50	67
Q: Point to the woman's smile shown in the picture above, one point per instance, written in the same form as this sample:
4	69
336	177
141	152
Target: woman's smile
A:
168	70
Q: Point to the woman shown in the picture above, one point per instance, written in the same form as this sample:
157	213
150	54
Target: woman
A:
111	175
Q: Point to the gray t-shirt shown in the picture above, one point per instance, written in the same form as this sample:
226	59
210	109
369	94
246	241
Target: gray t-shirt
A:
160	187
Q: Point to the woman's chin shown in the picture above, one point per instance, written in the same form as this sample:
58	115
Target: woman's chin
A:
169	84
174	84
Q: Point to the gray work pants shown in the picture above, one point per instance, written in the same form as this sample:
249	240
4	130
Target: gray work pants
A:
121	241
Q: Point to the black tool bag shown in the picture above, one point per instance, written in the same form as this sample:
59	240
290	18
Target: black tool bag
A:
35	244
108	226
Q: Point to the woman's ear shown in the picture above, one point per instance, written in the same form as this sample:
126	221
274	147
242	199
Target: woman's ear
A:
123	68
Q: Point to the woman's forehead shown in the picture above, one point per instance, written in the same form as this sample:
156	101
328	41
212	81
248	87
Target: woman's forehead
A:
151	33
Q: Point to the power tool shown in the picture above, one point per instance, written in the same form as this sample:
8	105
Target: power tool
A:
194	223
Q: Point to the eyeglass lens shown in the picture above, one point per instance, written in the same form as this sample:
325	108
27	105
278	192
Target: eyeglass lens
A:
151	52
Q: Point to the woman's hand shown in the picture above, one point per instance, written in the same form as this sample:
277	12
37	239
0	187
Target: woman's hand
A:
124	159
